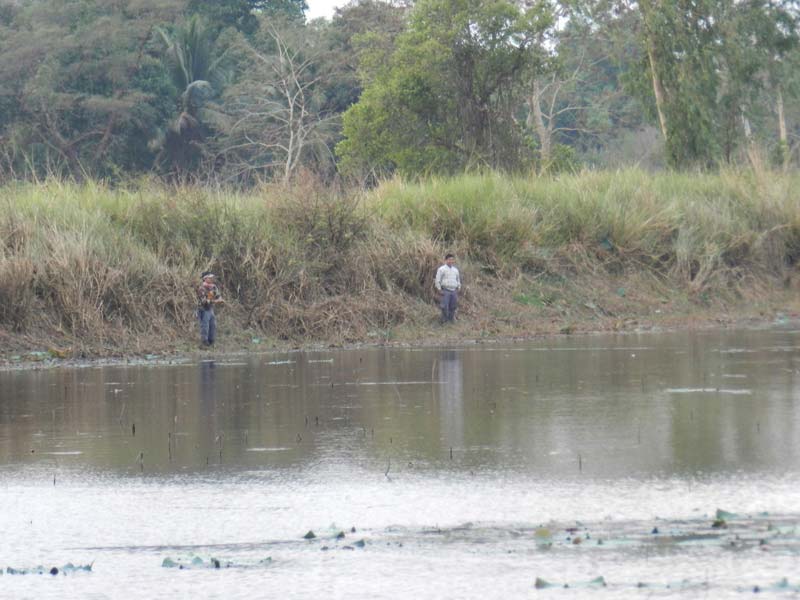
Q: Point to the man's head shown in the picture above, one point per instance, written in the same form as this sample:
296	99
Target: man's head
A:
207	276
449	259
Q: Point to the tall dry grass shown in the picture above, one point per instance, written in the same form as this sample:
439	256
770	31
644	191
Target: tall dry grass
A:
694	228
105	266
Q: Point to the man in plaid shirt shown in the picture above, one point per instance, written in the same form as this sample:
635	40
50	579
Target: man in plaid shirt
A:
207	296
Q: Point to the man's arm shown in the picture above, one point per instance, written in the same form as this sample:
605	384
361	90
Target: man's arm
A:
202	298
438	280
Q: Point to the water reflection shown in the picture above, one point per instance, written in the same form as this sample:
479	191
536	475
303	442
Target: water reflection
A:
208	392
450	377
242	457
615	406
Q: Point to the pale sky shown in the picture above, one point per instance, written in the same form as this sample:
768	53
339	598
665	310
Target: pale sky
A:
322	8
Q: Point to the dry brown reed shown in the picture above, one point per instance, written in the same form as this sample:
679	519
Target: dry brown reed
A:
104	269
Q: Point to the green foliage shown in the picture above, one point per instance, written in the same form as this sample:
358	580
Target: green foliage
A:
480	213
446	99
529	299
191	54
80	85
224	90
680	37
563	160
243	14
710	60
361	37
583	103
679	223
199	68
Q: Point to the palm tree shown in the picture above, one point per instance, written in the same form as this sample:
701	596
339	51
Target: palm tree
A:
200	71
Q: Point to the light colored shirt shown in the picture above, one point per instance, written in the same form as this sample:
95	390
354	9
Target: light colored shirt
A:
447	278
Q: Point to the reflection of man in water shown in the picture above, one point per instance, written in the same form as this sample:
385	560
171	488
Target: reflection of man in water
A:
451	397
448	282
208	376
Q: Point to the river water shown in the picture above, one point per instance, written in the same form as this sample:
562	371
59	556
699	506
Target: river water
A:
639	465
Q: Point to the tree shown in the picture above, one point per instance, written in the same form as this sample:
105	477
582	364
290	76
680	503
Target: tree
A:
680	39
758	40
280	122
446	98
785	80
198	67
552	100
243	14
707	61
361	36
576	104
82	90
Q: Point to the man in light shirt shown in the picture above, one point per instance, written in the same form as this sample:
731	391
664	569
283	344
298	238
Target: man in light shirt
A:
448	282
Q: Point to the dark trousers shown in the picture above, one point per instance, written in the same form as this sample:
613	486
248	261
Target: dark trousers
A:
448	304
208	326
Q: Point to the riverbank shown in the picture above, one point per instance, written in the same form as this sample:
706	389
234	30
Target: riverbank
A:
783	310
91	272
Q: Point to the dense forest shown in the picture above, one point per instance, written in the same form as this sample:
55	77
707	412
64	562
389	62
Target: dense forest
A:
244	91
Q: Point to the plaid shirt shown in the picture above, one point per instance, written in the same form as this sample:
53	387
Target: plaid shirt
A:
206	294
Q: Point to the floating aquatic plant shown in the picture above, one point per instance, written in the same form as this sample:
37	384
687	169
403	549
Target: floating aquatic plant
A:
600	581
196	562
41	570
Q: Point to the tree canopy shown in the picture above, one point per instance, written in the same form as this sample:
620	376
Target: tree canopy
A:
446	97
246	90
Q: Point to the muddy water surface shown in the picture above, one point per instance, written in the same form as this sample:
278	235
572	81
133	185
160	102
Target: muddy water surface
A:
618	466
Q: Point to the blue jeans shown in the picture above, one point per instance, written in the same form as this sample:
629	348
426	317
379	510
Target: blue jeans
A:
449	304
208	326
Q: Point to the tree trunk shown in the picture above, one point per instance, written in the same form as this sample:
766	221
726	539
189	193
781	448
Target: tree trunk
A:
752	150
782	135
55	140
106	139
658	90
536	121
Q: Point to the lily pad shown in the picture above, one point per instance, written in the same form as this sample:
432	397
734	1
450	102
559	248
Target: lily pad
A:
724	515
719	524
69	567
213	563
599	581
40	570
543	535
